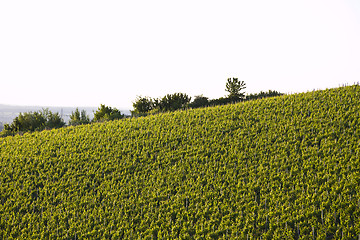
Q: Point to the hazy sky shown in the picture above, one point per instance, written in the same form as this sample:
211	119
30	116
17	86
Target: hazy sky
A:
84	53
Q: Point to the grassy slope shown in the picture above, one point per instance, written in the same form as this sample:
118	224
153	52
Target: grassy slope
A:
284	167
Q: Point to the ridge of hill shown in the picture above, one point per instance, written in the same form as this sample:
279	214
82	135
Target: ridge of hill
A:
278	168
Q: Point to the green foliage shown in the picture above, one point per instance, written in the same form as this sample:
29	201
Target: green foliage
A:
28	121
33	121
79	118
199	101
172	102
142	105
277	168
220	101
262	94
234	87
105	113
52	120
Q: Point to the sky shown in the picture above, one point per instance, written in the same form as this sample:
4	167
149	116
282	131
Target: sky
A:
87	53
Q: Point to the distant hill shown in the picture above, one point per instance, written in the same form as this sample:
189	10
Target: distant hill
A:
278	168
9	112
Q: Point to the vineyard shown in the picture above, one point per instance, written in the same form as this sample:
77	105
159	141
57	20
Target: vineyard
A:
285	167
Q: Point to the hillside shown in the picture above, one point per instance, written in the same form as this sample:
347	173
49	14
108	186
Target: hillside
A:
278	168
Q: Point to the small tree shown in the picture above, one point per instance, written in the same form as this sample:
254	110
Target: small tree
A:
199	101
105	113
79	118
142	105
172	102
53	120
28	121
33	121
234	87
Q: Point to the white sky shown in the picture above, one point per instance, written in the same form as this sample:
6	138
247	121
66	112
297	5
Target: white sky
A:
84	53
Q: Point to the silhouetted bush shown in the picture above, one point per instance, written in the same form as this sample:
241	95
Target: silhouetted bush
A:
142	106
262	94
105	113
199	101
79	118
33	121
172	102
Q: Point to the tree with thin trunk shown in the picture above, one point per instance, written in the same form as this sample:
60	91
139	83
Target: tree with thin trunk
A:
234	87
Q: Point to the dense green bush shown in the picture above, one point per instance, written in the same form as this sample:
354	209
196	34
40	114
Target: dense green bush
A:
172	102
105	113
33	121
142	106
262	94
79	118
199	101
